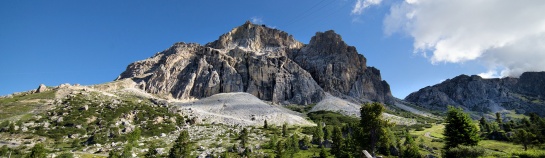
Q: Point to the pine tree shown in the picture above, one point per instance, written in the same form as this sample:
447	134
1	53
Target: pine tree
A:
127	151
280	153
338	142
483	124
244	138
134	136
459	129
273	140
285	130
327	133
294	142
265	125
373	126
498	118
410	149
318	135
524	138
323	153
182	146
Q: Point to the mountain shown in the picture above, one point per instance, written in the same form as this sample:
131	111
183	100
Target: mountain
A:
265	62
525	94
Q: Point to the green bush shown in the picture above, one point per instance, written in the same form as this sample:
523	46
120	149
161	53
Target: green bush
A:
464	151
529	154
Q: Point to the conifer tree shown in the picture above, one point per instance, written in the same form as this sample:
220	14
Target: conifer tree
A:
338	142
459	129
372	126
182	146
285	129
410	149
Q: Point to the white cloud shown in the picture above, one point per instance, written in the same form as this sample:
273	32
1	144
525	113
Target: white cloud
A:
257	20
489	74
362	4
504	35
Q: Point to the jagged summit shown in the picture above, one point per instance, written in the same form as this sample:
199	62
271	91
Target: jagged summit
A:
253	37
265	62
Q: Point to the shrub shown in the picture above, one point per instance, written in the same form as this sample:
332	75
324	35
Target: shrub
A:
464	151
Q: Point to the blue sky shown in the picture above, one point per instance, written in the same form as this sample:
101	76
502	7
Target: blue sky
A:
92	42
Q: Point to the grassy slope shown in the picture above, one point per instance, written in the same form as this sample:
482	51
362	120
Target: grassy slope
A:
22	106
494	148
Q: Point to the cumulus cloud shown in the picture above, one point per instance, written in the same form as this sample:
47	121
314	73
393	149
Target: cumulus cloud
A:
362	4
508	37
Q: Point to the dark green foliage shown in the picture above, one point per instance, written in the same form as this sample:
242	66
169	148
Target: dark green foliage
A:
306	143
410	149
38	151
114	154
152	152
134	135
243	137
498	118
4	150
338	142
294	143
327	132
280	150
374	129
318	134
265	125
459	129
273	141
524	138
331	118
11	128
464	151
285	129
66	155
323	153
182	146
483	125
127	151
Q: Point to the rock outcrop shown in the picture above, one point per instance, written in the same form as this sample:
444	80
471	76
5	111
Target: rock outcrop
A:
267	63
524	94
340	70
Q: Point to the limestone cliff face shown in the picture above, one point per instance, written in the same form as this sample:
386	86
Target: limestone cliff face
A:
265	62
524	94
340	70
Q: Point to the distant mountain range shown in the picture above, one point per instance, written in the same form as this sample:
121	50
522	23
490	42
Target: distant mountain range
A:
525	94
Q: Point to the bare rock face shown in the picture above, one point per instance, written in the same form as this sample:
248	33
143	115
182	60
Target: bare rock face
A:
41	88
340	70
267	63
524	94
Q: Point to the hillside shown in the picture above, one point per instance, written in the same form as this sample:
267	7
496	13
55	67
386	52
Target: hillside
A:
524	95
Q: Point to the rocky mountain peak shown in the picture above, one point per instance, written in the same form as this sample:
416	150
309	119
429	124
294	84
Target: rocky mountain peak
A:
253	37
329	42
265	62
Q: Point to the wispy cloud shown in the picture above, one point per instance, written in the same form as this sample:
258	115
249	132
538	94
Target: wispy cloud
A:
507	37
257	20
362	5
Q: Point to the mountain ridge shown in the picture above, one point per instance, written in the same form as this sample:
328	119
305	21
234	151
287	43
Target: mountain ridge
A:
524	94
267	63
